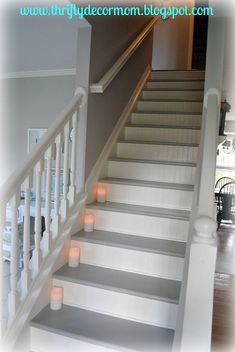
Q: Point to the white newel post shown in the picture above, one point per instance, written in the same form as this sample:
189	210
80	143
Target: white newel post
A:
197	323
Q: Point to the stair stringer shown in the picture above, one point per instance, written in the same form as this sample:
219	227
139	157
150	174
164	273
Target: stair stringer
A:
27	307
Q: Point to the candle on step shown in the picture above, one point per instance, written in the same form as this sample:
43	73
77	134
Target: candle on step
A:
56	298
74	257
89	223
101	194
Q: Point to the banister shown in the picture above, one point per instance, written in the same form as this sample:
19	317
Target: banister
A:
105	81
193	332
10	186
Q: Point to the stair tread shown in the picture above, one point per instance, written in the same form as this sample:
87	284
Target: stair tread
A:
139	243
175	80
176	127
147	161
122	281
141	210
177	144
166	185
162	100
159	112
172	90
104	330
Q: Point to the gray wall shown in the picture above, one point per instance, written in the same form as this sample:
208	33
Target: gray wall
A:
172	44
35	102
38	43
110	37
29	103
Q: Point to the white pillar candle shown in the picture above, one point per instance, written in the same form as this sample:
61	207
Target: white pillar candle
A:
74	257
89	223
56	298
101	194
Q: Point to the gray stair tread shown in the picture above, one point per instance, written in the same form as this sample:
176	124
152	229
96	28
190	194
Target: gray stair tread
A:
162	100
159	112
175	80
132	182
122	281
176	144
141	210
139	243
172	90
145	161
176	127
104	330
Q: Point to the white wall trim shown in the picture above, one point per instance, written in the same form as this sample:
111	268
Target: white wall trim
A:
39	73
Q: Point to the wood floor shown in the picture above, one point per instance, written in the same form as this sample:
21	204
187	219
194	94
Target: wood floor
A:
223	330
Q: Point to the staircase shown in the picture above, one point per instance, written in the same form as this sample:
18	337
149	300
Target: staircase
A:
124	295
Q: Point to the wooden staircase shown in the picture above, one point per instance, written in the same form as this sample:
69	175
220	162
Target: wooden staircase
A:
124	295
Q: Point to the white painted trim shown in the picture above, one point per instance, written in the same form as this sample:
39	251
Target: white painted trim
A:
95	172
39	73
46	270
104	82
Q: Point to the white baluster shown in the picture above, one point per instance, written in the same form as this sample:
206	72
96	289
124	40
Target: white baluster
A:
64	203
56	216
26	273
72	187
38	221
3	322
13	298
47	233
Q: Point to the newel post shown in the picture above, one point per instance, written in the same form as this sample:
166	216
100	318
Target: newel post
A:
200	286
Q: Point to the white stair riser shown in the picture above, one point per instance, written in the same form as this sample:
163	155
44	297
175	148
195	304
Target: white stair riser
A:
118	304
182	95
129	260
175	85
162	134
182	75
149	196
152	172
169	106
140	225
157	152
45	341
167	119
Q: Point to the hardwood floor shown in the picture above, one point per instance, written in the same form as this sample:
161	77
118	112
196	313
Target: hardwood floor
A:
223	329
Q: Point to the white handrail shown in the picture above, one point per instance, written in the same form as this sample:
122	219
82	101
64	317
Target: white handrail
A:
105	81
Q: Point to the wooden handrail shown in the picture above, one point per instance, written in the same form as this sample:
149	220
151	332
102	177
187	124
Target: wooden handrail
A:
105	81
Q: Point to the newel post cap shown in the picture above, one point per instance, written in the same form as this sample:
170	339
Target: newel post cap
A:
205	230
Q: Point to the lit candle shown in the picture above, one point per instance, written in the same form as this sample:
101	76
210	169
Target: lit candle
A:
56	298
101	194
89	223
74	257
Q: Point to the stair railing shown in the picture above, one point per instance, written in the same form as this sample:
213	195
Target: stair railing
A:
194	326
104	82
46	187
